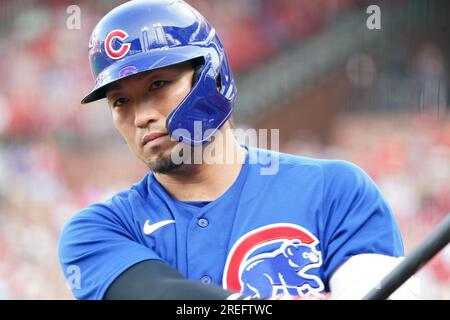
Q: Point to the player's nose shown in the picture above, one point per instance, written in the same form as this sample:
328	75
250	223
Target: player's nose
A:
145	113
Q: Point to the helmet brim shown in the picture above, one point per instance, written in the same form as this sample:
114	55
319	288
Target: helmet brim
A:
141	62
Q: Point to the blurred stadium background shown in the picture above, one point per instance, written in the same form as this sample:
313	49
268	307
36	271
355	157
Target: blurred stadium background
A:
335	89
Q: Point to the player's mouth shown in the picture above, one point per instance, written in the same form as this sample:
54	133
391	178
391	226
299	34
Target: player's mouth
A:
153	139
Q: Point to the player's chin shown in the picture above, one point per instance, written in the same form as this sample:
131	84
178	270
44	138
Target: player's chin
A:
163	163
150	155
162	159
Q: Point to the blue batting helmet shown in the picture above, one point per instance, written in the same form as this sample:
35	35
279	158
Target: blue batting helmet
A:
143	35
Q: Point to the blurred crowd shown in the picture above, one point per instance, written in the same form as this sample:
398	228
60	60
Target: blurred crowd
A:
57	157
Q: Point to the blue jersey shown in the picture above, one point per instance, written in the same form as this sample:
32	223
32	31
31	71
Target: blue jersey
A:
266	235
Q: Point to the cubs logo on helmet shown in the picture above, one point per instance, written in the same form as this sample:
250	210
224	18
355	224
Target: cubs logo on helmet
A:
110	41
275	259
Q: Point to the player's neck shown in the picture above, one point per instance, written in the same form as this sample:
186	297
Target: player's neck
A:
212	178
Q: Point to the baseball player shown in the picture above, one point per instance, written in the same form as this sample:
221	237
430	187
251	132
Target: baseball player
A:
219	230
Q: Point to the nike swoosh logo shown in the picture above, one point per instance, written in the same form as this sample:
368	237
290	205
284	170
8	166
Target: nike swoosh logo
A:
150	228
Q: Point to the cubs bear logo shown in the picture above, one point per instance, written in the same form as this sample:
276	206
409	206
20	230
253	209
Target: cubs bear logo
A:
275	259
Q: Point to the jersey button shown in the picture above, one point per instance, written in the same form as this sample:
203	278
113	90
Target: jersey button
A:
206	279
203	222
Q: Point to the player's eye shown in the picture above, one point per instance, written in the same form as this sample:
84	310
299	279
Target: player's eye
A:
158	84
120	102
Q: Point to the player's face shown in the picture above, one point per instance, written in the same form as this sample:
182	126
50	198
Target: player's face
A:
140	105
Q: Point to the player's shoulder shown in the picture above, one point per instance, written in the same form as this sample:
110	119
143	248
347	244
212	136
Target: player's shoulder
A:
330	173
329	167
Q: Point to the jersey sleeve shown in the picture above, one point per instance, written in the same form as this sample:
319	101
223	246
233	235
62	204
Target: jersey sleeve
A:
95	247
357	218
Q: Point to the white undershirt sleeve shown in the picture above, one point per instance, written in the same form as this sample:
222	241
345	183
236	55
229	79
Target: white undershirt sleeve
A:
359	274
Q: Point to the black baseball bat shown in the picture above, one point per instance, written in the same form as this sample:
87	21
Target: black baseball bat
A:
436	241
